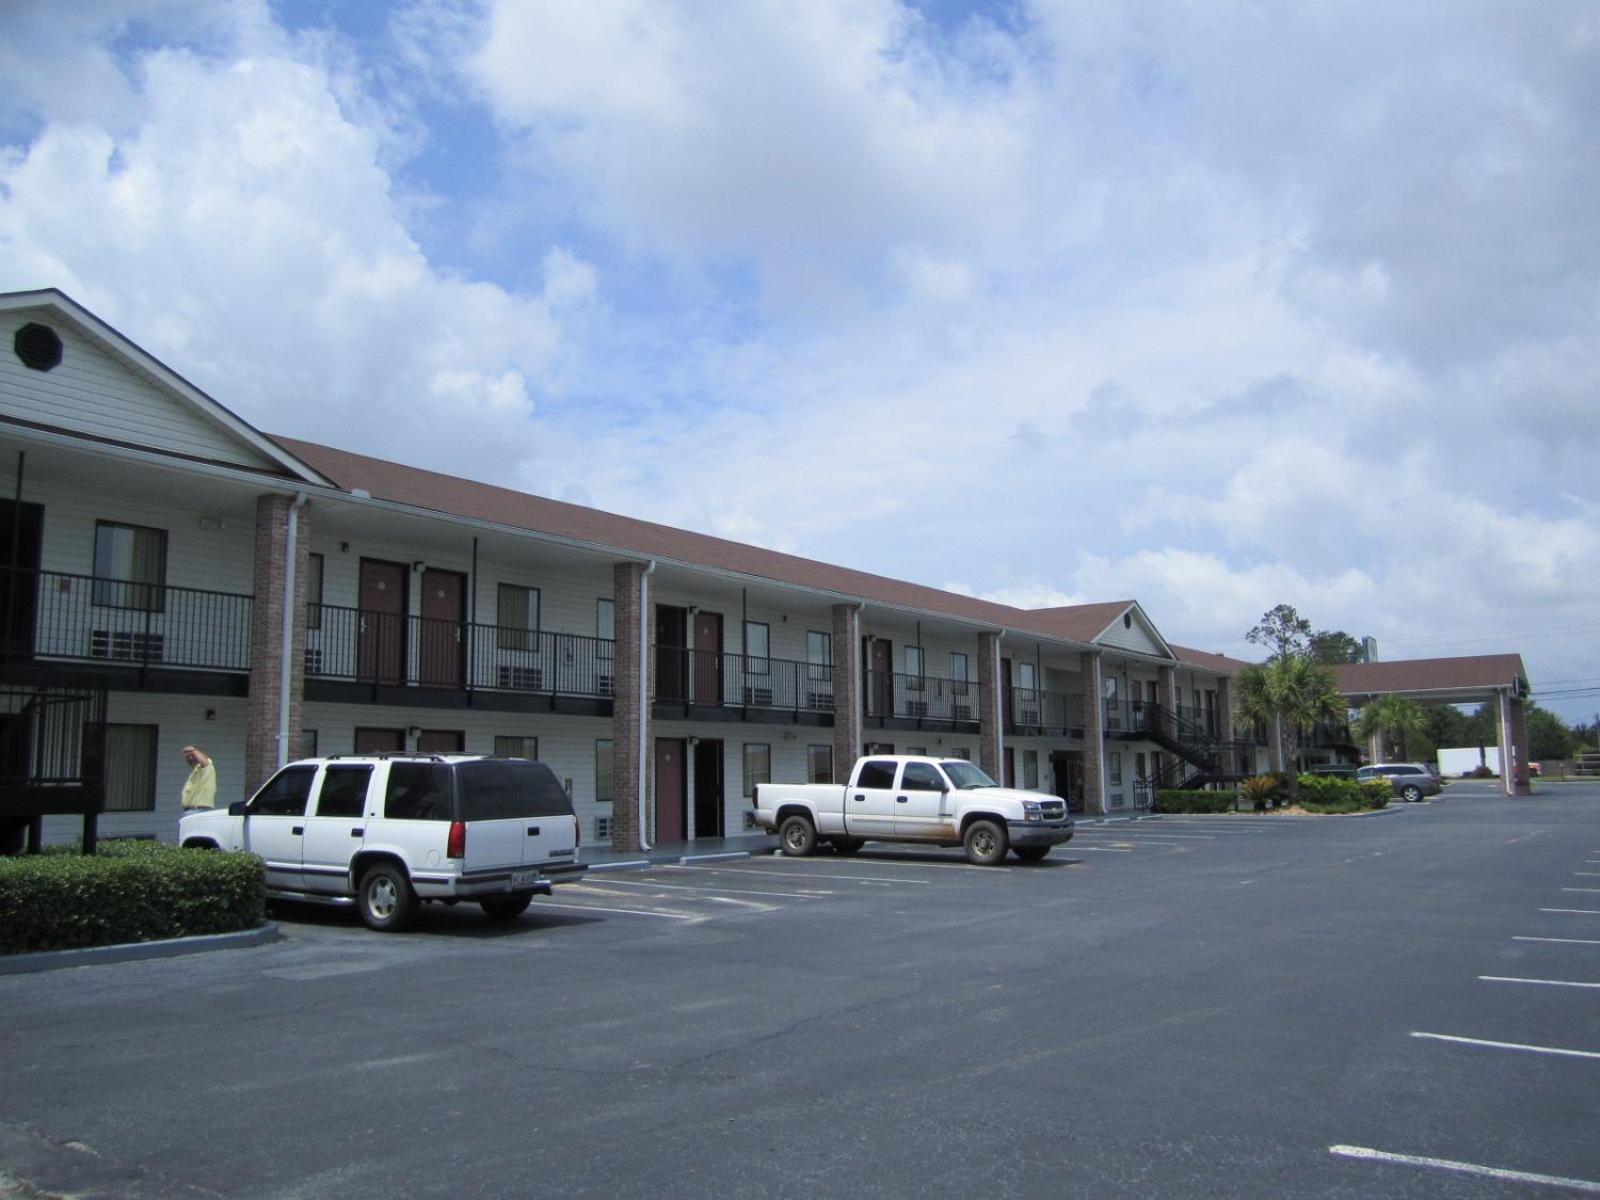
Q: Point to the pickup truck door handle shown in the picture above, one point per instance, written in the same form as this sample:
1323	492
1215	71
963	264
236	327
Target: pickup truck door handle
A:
860	799
358	832
298	830
902	800
533	831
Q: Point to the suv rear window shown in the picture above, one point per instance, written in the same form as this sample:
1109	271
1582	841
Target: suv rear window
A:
417	792
495	791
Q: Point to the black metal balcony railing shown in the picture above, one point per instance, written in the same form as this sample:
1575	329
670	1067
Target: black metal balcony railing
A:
715	679
1053	711
921	697
392	648
53	614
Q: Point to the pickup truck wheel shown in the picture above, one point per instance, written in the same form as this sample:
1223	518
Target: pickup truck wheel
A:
797	836
847	845
504	908
986	843
386	900
1030	853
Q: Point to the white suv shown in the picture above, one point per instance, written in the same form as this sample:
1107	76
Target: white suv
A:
387	831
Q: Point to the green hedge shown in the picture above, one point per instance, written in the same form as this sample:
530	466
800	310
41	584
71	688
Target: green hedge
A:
127	892
1195	800
1331	794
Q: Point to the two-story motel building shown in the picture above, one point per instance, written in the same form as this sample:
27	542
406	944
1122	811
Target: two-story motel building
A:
174	576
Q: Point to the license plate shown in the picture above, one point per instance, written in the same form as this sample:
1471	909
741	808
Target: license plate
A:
524	878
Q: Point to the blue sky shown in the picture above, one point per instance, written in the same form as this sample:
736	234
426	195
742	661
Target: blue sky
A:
1216	306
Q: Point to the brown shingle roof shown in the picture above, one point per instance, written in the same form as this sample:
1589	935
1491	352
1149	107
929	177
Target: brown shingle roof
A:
1480	672
1207	661
487	502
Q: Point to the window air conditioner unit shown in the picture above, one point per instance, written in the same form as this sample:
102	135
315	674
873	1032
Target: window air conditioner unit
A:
313	660
128	647
758	697
522	679
916	708
607	685
821	700
1028	716
602	828
963	712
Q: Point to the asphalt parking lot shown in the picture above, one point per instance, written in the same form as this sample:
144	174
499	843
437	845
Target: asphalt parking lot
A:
1247	1006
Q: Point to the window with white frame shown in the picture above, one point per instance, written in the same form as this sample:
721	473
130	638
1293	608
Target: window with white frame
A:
757	647
959	667
819	655
130	768
819	764
516	747
1114	768
914	668
1030	769
602	770
757	766
130	566
517	618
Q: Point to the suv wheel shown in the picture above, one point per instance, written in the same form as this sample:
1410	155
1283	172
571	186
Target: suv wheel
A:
385	899
1411	793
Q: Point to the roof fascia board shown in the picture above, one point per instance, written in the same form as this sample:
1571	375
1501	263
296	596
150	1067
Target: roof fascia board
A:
142	360
400	508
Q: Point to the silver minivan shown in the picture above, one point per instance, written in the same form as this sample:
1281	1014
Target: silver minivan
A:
389	832
1410	781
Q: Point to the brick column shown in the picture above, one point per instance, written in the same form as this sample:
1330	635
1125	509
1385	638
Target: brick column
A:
1094	735
630	699
847	696
266	644
991	732
1502	712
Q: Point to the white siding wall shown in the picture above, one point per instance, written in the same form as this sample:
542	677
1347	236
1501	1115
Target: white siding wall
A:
1135	638
96	392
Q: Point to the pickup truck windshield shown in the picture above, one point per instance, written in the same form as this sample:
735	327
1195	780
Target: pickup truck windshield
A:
965	775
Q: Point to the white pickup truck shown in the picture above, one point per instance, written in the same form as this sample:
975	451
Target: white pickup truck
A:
908	798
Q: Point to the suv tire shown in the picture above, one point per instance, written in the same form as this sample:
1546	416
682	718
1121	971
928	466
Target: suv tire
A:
506	908
385	899
1411	793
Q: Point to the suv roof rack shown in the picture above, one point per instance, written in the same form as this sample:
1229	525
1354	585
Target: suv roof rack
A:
427	754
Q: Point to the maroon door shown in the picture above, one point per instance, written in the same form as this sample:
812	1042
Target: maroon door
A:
441	741
1011	768
877	656
380	741
381	624
444	610
671	818
708	658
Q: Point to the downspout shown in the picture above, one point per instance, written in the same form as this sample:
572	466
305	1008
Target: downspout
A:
644	692
286	665
999	712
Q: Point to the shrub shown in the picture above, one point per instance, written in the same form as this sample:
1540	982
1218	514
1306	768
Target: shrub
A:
1262	790
1195	800
1331	794
126	892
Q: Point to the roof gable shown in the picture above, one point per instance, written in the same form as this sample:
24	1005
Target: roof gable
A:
106	388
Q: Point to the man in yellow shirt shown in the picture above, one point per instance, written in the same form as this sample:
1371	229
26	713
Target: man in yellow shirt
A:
200	789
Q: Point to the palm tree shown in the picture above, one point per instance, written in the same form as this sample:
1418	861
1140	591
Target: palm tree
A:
1289	694
1395	718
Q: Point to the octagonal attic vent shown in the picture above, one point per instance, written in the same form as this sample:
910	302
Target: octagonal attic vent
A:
38	346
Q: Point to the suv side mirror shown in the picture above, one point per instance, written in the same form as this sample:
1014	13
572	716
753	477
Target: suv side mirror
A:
239	808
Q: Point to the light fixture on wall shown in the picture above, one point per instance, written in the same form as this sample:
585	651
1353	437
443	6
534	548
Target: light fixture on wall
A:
694	741
211	714
419	565
414	732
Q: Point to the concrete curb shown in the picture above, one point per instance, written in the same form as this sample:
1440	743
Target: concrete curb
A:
55	960
673	860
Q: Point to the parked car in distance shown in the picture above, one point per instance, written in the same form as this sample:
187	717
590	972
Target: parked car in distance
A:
908	798
1535	769
389	832
1410	781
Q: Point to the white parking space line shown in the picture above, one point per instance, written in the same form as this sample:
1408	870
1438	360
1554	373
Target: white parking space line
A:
1541	982
700	891
632	912
1464	1168
1591	912
1523	937
801	872
1580	889
1122	831
1589	874
1469	1041
1107	849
